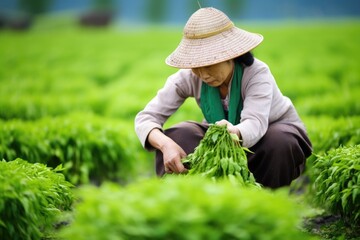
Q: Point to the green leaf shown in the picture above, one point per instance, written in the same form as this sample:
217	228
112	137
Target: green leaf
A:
214	137
355	194
344	198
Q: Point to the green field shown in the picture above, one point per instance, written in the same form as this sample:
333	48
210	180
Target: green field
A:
54	70
69	95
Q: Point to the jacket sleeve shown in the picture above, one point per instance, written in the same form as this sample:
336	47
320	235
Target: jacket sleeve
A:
168	99
258	96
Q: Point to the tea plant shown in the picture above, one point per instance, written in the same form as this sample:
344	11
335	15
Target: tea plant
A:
337	182
183	207
32	197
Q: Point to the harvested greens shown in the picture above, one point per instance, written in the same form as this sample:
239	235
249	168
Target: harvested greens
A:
220	156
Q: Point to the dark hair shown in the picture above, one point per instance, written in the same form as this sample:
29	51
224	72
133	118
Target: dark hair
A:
247	59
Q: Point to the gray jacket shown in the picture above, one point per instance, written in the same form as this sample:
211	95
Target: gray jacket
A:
263	103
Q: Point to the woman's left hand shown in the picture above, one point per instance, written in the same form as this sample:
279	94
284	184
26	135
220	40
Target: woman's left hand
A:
231	128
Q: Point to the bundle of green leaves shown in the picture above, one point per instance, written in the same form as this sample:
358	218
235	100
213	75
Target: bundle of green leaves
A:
183	207
32	197
337	183
219	155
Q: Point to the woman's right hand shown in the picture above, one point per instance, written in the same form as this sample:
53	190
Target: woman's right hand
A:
172	155
172	152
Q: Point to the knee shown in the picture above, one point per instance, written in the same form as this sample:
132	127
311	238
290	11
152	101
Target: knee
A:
277	140
281	148
185	130
278	157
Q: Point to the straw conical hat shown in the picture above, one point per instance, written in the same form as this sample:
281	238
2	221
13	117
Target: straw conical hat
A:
210	37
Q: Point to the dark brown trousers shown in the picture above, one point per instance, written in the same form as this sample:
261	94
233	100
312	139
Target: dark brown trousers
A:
277	159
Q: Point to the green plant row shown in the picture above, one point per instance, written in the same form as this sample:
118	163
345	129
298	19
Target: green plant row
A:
179	207
32	198
336	104
63	70
90	148
87	70
29	106
336	182
327	132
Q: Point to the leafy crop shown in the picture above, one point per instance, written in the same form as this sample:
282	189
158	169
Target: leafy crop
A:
220	155
343	103
183	207
327	133
64	77
90	148
32	196
52	77
337	182
56	69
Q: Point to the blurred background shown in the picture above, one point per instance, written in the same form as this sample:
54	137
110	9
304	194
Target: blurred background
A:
177	12
74	74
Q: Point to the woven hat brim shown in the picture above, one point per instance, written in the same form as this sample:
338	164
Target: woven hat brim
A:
194	53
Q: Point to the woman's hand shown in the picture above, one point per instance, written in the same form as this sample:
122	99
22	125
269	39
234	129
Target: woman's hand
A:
231	128
172	152
172	155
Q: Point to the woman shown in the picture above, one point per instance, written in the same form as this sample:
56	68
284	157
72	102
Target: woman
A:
232	88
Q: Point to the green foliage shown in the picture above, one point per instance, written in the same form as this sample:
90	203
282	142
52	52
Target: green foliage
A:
29	106
156	12
319	73
342	103
179	207
328	132
103	4
34	6
220	156
58	72
90	148
328	226
337	182
57	69
32	197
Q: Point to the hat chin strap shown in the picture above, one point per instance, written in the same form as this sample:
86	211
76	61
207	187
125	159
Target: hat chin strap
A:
209	34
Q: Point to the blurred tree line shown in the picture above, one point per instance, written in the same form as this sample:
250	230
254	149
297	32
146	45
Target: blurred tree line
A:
156	10
102	12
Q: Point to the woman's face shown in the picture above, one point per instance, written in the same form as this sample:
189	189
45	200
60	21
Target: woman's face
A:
217	74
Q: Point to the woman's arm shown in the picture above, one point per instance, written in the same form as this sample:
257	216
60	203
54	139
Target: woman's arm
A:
177	88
